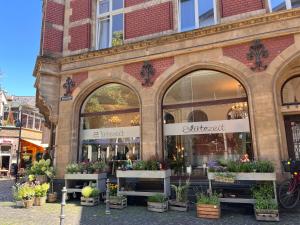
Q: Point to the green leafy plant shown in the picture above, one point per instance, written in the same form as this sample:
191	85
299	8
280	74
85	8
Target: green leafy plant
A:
26	192
152	165
264	167
90	192
72	168
139	165
42	167
99	165
16	193
248	167
181	191
41	189
264	197
157	198
212	199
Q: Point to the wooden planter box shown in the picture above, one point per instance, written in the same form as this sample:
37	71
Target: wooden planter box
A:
178	206
266	215
89	201
39	201
222	179
52	197
158	206
208	211
28	203
249	176
117	202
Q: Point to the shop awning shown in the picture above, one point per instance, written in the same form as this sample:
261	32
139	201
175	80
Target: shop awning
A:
29	145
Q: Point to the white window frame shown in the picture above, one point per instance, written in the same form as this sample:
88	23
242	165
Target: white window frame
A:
288	5
197	25
104	16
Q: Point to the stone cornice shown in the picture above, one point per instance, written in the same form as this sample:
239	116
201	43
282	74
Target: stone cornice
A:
43	59
272	17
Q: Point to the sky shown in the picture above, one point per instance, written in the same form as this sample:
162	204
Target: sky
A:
20	23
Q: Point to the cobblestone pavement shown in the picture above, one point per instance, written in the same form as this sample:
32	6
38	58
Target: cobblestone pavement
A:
132	215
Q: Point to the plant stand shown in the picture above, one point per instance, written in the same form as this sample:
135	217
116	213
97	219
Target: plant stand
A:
178	206
117	202
158	206
208	211
266	215
89	201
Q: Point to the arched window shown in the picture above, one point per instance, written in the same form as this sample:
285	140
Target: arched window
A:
211	120
291	91
110	124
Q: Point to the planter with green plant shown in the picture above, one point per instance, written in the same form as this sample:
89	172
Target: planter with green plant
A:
225	177
52	196
99	167
157	203
40	191
26	192
115	201
90	196
208	206
42	170
181	201
17	195
266	207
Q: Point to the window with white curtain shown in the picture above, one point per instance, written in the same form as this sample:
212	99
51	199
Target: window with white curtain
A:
277	5
110	23
196	13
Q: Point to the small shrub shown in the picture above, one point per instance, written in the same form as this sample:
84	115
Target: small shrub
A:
139	165
90	192
157	198
41	189
212	199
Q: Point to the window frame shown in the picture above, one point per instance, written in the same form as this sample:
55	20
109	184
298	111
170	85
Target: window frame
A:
288	5
107	16
196	10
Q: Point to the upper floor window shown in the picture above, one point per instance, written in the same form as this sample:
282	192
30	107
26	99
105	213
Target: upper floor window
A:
277	5
110	23
196	13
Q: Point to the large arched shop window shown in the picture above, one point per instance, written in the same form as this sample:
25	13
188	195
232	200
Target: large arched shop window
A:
291	91
211	121
110	124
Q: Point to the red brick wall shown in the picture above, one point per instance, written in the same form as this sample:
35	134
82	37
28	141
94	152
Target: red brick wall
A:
55	13
80	37
274	45
133	2
152	20
79	77
235	7
53	40
81	9
160	65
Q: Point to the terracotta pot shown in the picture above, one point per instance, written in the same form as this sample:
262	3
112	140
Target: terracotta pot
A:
28	203
39	201
52	197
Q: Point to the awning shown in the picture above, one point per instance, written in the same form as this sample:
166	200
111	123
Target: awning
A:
31	146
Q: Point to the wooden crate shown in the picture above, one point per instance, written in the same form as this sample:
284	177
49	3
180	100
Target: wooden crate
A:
89	201
117	202
178	206
158	206
267	215
208	211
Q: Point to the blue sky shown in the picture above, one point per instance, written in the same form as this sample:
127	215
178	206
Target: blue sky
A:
20	23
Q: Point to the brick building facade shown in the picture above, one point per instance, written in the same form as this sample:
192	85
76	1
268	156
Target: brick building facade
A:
189	67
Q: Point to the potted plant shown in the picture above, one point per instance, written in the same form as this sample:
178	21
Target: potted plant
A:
17	195
42	170
157	203
208	206
72	168
181	191
115	201
27	194
52	196
90	196
40	191
99	166
266	208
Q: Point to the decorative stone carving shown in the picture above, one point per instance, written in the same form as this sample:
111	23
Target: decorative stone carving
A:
257	51
69	85
147	72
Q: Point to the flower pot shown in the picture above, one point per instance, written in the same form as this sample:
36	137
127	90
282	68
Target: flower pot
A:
178	206
158	206
208	211
52	197
20	204
28	203
266	215
39	201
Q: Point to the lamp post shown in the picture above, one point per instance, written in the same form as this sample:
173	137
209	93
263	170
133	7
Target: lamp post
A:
19	144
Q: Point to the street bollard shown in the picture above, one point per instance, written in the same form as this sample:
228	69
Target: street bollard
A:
107	209
63	204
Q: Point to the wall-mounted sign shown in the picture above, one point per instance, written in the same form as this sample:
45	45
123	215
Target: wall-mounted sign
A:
208	127
111	133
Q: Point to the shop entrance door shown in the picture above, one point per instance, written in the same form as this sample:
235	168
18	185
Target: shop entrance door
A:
292	129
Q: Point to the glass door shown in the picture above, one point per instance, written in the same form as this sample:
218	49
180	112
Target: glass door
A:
292	127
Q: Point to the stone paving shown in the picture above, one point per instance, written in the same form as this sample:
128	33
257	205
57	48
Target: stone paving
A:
132	215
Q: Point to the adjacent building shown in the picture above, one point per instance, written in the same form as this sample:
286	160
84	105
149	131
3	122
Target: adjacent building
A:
186	81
